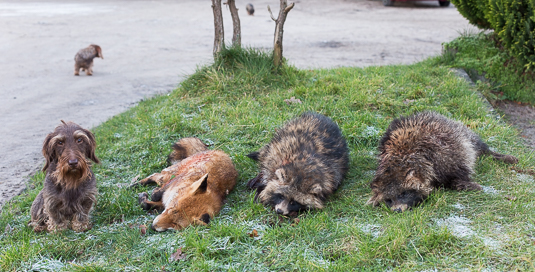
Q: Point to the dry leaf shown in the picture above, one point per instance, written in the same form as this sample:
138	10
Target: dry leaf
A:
509	197
296	222
143	229
292	100
178	255
407	101
254	233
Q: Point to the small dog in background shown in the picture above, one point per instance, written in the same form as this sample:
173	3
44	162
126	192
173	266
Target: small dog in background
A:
84	59
70	186
250	9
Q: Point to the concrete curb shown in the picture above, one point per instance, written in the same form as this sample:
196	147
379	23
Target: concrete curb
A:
464	75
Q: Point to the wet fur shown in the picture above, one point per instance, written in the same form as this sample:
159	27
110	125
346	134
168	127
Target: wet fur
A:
422	152
69	188
303	164
193	189
84	59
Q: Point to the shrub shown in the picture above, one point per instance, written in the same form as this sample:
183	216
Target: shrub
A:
514	23
475	11
482	54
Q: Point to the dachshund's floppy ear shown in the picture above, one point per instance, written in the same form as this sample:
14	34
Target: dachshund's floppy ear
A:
48	152
90	153
99	51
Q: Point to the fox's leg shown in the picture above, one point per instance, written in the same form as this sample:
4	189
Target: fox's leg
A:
155	199
160	178
149	205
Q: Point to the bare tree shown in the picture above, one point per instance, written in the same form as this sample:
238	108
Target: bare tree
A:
236	36
219	39
279	24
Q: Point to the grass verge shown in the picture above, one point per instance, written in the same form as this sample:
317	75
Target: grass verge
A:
235	105
483	57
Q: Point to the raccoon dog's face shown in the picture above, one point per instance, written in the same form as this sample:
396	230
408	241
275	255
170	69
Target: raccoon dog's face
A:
400	191
285	205
290	194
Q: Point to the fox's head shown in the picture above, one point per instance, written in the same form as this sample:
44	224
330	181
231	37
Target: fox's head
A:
195	206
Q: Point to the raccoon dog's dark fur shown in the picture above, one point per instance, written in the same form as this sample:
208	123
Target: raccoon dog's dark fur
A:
425	151
302	165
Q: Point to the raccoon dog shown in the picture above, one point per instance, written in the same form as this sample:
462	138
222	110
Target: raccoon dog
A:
425	151
302	165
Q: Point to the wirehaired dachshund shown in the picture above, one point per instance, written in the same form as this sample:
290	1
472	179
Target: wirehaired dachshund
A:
70	186
84	59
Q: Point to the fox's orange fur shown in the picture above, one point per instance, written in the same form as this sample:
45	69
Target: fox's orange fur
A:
193	189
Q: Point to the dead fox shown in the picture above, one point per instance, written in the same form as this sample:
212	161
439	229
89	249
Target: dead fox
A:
425	151
193	189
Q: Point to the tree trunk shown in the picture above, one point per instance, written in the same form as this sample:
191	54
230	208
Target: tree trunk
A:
279	25
236	37
219	39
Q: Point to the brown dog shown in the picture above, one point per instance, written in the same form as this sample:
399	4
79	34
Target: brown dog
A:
250	9
70	187
193	189
84	59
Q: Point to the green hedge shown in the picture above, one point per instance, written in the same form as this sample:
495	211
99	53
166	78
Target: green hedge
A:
474	11
513	22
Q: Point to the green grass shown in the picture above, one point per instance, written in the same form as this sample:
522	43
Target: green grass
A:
481	54
235	105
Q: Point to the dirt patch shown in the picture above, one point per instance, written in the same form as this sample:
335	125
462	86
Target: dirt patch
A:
148	46
521	116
